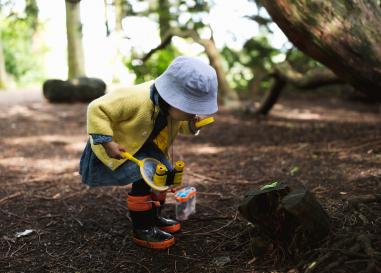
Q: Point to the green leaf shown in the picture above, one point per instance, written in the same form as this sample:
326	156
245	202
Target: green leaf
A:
270	186
294	170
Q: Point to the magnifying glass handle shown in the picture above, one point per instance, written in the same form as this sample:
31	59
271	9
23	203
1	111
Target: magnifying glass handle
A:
204	122
131	157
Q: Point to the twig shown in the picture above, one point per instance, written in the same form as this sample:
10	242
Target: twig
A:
49	216
208	219
9	249
367	246
132	262
184	257
4	199
208	207
45	197
191	232
367	198
357	261
37	180
15	215
202	176
210	193
353	148
218	229
123	243
345	252
231	239
327	256
17	250
77	220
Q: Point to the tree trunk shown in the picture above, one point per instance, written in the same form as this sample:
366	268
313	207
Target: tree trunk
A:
74	40
313	78
303	206
343	35
229	96
164	17
118	15
281	215
3	72
106	18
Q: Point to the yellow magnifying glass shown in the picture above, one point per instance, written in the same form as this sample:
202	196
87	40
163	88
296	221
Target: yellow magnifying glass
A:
147	169
204	122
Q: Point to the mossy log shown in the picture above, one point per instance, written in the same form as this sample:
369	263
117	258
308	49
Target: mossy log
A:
81	89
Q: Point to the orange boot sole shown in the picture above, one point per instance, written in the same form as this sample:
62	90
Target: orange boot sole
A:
171	229
154	245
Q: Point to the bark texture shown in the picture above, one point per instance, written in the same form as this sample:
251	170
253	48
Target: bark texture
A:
344	35
164	17
118	15
74	40
3	72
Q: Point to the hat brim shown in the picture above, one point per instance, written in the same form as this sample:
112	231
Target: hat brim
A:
169	91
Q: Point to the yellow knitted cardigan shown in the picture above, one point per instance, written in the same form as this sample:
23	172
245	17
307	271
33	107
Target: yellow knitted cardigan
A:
126	115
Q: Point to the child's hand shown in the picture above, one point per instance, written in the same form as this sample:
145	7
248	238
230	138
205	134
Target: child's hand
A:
113	149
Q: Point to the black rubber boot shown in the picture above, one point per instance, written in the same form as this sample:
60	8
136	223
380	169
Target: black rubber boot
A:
165	224
145	233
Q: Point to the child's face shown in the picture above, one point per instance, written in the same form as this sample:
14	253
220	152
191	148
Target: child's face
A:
179	115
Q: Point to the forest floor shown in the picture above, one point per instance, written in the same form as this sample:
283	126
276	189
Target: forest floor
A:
328	145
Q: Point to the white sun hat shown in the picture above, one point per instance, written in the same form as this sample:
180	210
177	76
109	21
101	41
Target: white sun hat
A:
190	85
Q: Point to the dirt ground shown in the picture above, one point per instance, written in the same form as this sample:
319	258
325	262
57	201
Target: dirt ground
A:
330	146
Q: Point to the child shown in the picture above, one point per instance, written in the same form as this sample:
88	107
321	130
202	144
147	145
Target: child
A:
144	120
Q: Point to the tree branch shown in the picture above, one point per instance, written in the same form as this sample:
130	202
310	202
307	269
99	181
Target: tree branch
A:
168	39
165	42
311	79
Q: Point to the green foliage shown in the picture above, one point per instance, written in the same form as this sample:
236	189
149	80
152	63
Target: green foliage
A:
17	33
300	61
244	66
259	52
31	11
155	66
167	13
127	8
21	60
259	57
256	56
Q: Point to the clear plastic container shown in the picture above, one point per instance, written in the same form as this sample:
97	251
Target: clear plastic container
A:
185	203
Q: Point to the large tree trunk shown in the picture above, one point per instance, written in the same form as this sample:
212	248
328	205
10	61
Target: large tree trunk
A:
344	35
74	39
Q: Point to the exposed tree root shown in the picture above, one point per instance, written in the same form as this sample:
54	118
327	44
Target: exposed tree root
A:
368	198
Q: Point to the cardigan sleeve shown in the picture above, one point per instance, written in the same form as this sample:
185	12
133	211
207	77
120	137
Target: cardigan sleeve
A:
106	111
100	139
